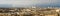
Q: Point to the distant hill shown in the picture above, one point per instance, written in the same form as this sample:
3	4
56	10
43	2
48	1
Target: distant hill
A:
37	5
5	5
47	5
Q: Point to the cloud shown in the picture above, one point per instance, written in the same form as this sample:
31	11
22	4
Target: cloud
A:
26	1
23	3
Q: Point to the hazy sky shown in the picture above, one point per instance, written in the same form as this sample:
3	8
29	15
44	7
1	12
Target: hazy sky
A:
24	3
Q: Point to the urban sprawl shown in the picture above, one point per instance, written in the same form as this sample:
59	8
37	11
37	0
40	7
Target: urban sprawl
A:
33	11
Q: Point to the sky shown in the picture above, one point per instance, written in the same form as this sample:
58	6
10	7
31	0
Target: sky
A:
27	3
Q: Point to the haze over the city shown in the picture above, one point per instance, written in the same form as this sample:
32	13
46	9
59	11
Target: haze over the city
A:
29	3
